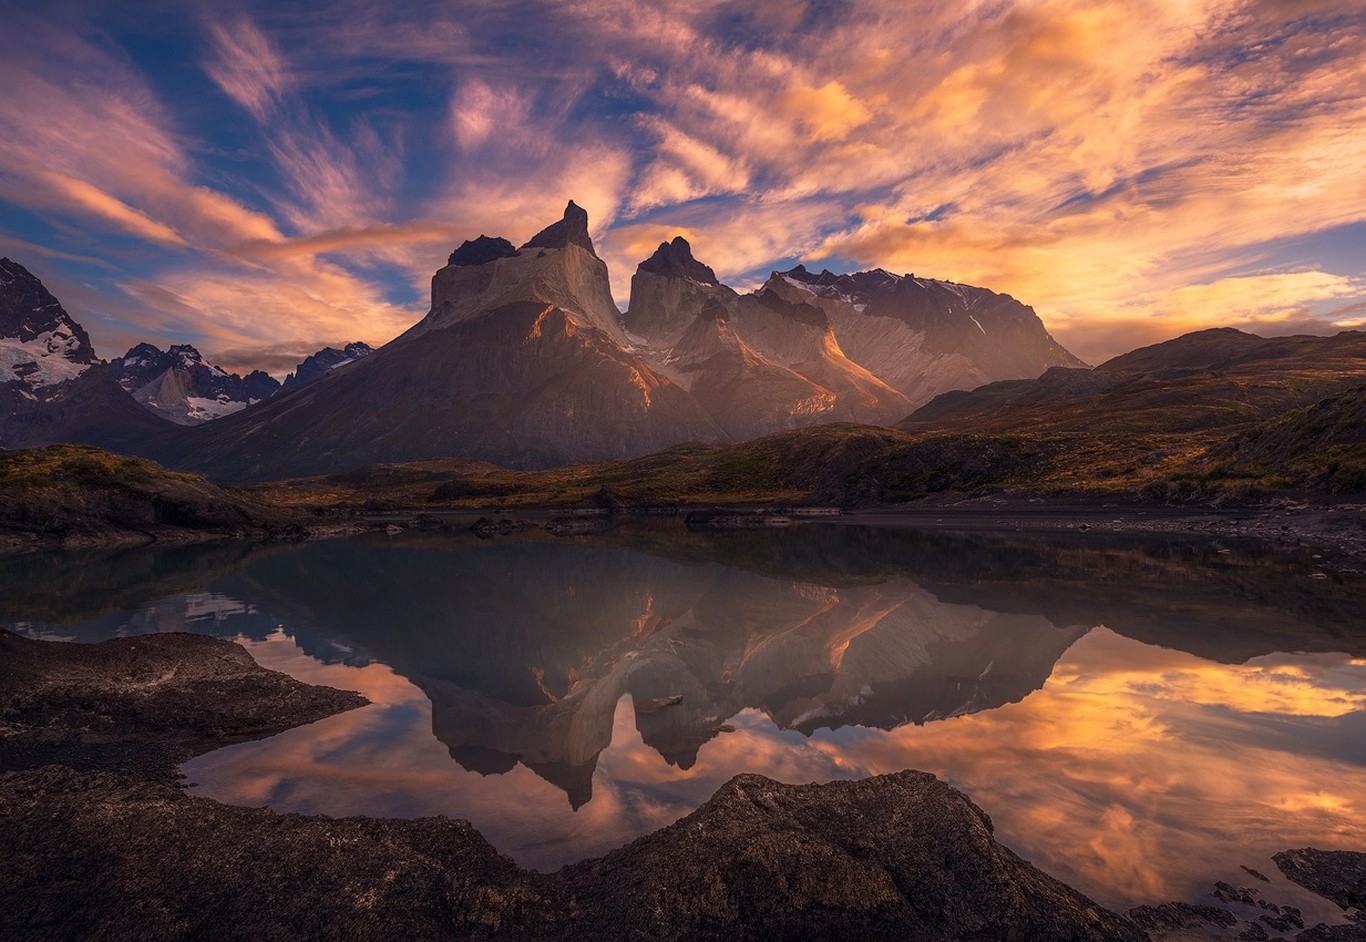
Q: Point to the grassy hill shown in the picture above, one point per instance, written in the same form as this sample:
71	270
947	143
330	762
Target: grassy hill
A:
74	495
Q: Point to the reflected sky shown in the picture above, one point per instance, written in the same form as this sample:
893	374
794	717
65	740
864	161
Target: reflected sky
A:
517	684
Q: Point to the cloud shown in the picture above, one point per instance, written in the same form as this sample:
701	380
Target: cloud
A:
1123	168
247	67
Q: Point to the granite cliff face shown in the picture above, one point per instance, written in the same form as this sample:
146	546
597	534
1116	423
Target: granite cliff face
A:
522	360
923	337
757	363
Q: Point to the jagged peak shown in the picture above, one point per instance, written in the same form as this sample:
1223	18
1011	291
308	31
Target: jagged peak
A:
571	229
481	251
674	259
798	311
186	352
143	349
10	270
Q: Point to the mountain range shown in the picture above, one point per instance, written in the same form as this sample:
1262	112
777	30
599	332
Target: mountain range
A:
53	387
862	386
524	359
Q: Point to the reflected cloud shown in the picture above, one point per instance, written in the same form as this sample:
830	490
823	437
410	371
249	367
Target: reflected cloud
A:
527	684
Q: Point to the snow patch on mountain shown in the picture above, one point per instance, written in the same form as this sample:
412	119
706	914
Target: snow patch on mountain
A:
43	361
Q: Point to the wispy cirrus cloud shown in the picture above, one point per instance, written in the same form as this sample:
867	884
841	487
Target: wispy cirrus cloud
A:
247	67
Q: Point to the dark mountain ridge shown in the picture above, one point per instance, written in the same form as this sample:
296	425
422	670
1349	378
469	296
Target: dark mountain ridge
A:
1210	379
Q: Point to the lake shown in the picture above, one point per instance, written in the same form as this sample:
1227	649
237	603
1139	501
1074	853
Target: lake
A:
1140	717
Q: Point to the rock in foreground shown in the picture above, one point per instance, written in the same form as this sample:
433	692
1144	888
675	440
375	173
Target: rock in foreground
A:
105	845
900	856
143	704
1338	875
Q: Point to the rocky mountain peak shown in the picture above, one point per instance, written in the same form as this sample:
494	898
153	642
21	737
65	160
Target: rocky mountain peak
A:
675	260
179	384
570	230
329	358
482	250
186	353
40	343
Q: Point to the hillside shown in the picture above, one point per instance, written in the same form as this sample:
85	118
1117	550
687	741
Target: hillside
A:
72	495
1221	379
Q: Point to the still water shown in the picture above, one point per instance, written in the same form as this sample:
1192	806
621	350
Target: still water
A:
1138	718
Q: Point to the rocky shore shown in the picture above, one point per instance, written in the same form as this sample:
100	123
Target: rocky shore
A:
1335	528
98	840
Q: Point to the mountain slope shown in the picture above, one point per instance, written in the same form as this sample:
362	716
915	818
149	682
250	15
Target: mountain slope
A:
923	337
518	362
52	386
1211	379
40	343
782	366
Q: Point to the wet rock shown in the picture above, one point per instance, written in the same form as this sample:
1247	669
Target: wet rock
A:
107	856
704	520
106	845
143	704
1170	916
579	526
484	527
1338	875
899	856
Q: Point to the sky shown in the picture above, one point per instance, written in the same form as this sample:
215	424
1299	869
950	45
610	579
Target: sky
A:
261	179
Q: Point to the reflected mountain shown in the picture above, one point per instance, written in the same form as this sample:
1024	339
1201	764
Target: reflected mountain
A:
525	645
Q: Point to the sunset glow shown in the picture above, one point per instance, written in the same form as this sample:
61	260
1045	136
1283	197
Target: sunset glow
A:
260	181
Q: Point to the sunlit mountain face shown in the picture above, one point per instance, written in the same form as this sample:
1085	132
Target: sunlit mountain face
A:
1139	718
262	181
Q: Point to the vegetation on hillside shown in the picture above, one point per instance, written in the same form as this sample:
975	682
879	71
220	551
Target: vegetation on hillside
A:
70	495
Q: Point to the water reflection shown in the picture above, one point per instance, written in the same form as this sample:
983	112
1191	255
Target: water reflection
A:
1139	761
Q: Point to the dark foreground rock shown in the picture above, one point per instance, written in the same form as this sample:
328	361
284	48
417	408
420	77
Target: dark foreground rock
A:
1171	916
105	845
1338	875
143	704
900	856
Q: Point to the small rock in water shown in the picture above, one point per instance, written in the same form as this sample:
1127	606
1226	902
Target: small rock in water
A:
1226	892
1181	916
484	527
